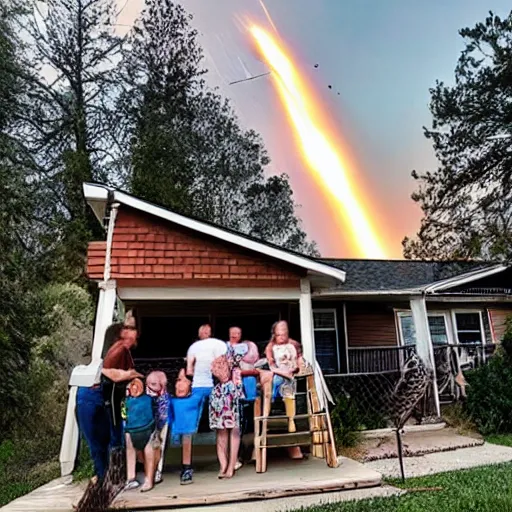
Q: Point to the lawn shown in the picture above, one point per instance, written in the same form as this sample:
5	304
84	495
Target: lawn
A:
26	466
486	489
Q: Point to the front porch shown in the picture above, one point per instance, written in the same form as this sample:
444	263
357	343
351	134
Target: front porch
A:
283	478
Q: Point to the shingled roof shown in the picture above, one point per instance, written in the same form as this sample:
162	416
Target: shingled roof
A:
387	275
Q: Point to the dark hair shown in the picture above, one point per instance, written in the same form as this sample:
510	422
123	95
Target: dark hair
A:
112	334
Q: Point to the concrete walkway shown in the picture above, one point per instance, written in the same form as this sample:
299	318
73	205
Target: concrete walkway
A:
441	462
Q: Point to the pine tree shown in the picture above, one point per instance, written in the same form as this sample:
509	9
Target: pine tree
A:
71	127
188	151
467	201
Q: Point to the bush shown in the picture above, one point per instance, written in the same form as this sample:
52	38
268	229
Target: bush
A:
348	420
489	401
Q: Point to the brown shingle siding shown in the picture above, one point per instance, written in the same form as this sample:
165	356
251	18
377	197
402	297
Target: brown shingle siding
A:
150	248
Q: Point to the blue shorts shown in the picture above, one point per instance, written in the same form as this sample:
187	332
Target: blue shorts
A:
250	384
277	381
185	413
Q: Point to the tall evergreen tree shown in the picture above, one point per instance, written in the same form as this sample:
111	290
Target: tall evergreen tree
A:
18	255
188	150
72	125
467	201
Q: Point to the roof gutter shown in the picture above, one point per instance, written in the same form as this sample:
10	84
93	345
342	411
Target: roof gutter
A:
99	194
463	279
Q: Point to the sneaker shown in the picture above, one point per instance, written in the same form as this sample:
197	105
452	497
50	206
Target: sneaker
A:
158	477
238	465
186	477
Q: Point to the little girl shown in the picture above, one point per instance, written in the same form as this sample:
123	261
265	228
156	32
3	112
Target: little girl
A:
156	387
139	414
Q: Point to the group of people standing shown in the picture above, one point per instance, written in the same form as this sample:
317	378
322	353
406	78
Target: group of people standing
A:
120	410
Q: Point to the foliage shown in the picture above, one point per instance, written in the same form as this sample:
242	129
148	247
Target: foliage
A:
188	151
467	201
19	302
501	439
489	401
456	416
348	420
26	465
484	489
70	121
506	341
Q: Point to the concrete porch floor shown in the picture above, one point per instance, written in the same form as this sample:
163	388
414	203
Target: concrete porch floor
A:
283	478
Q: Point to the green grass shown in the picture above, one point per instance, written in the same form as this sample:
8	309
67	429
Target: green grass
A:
22	471
486	489
503	439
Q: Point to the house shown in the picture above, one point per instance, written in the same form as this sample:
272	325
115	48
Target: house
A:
178	272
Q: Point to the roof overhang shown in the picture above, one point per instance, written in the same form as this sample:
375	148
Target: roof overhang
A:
468	277
98	196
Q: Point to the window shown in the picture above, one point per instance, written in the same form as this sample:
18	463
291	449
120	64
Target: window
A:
437	324
326	340
468	327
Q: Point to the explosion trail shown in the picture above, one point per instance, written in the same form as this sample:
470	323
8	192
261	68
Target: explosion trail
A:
267	14
318	151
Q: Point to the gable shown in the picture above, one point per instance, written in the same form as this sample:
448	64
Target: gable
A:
147	249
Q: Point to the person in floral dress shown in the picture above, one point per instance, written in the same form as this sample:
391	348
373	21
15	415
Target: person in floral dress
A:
224	410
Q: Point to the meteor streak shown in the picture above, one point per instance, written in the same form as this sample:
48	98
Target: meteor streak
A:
320	153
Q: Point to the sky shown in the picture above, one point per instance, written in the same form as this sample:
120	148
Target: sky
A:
380	58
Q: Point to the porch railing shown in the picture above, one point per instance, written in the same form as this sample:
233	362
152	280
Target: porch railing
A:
367	360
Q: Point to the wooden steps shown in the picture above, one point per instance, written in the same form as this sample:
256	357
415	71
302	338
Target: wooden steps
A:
318	433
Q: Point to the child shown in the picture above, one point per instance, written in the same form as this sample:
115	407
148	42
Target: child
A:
140	413
156	387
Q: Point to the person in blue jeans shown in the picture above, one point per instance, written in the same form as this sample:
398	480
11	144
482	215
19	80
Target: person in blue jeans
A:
94	420
94	424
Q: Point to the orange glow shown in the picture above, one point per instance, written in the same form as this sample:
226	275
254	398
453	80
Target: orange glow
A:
329	168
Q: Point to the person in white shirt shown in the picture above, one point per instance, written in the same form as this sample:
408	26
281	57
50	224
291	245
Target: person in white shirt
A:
187	411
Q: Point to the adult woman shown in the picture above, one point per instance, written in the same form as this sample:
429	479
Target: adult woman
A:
284	356
186	412
92	416
118	369
225	407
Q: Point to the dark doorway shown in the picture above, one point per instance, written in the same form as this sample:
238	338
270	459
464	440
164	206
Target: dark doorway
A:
254	327
167	336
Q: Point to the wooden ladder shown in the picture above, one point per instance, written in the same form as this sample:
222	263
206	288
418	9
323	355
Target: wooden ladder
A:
319	436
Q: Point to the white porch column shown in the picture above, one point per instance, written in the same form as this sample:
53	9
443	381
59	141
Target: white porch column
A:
306	321
104	316
71	434
424	346
308	341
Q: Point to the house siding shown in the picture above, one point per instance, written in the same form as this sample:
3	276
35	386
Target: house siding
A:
370	325
146	250
498	319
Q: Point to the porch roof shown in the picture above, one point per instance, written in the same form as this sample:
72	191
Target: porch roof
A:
99	197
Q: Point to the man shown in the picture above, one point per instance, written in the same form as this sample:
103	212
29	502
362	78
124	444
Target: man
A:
187	412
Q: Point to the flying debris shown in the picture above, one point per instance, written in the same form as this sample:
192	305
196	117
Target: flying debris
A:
250	78
316	65
330	86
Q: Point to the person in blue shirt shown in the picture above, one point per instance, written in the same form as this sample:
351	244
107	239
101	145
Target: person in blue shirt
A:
140	413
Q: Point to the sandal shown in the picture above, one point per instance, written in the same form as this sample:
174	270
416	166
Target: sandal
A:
131	484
